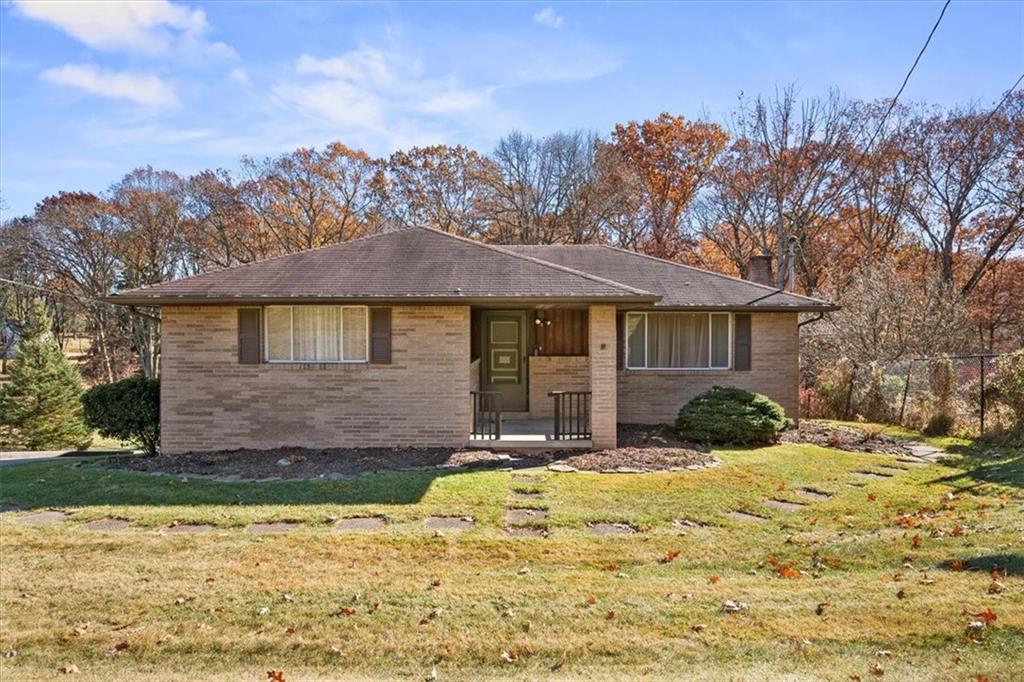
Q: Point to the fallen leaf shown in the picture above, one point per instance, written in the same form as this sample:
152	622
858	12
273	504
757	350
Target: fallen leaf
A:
714	579
995	587
669	556
436	582
699	627
876	670
916	540
872	496
986	616
901	594
69	669
121	646
956	565
591	599
509	656
610	615
346	611
275	675
820	610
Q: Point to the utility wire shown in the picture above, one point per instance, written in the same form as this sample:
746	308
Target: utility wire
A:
84	300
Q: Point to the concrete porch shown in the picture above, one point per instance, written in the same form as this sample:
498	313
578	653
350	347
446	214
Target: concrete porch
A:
520	433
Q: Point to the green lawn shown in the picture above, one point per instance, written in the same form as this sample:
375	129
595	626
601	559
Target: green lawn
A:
317	604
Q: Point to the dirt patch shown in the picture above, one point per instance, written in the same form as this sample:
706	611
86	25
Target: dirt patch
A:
448	522
43	518
635	459
360	524
304	463
188	528
106	524
612	528
849	438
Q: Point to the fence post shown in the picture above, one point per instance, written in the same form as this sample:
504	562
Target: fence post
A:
906	389
981	365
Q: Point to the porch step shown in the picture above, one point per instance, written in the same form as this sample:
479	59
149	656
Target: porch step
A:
511	443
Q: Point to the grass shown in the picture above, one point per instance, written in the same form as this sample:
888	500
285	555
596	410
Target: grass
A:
140	605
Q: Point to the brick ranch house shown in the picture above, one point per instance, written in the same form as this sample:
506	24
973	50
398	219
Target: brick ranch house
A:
420	338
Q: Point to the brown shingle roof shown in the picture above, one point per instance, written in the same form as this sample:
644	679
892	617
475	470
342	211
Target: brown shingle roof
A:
680	286
404	265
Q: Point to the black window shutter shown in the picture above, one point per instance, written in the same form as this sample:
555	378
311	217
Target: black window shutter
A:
249	336
741	343
620	339
380	336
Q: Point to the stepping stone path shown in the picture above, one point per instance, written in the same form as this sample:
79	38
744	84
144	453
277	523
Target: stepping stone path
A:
744	516
106	524
525	531
612	528
814	494
926	452
912	462
43	518
188	529
889	467
872	474
525	515
691	523
449	522
360	524
786	506
525	522
271	528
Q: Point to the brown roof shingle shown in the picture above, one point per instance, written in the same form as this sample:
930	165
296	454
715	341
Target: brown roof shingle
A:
680	286
403	265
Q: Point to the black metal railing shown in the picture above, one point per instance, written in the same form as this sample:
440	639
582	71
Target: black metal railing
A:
572	414
486	414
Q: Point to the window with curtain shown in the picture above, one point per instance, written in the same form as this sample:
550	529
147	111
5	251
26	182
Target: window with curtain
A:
316	333
678	340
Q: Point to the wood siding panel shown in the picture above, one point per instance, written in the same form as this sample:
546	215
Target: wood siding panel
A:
567	333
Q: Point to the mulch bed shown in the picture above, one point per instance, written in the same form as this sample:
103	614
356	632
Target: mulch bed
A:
848	438
304	463
638	459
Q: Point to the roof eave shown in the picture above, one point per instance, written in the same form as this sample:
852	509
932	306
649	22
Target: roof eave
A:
192	300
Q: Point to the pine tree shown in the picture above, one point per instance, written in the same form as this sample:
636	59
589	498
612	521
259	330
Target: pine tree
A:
40	408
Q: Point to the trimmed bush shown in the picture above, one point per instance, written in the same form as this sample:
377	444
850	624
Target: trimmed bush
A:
128	410
731	415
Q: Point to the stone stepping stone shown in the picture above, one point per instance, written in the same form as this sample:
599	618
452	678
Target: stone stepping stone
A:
604	528
818	495
448	522
925	452
188	528
691	523
8	507
106	524
43	518
872	474
912	462
271	528
524	515
360	524
890	467
783	505
525	531
746	516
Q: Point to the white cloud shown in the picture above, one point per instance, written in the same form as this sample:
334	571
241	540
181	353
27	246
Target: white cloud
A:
145	89
145	26
239	74
548	17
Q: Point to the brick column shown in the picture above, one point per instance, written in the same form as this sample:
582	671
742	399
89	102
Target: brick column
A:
602	375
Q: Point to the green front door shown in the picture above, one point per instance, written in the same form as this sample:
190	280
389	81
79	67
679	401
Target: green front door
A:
504	359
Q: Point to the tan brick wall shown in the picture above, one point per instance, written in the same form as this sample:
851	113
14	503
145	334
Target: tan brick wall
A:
555	373
602	335
474	375
210	402
655	396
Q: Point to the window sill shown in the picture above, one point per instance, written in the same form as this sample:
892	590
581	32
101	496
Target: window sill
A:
676	372
339	366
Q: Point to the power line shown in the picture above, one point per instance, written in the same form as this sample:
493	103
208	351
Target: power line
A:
83	300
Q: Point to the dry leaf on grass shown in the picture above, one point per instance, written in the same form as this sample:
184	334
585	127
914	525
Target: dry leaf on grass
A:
670	556
820	610
275	675
713	579
509	656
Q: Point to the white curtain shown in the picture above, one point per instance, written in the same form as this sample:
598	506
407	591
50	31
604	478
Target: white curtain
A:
677	340
355	333
279	333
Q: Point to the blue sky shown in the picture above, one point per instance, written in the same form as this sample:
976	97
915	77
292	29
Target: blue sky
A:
90	91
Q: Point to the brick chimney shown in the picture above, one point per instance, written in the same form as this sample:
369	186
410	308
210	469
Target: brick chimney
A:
759	270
